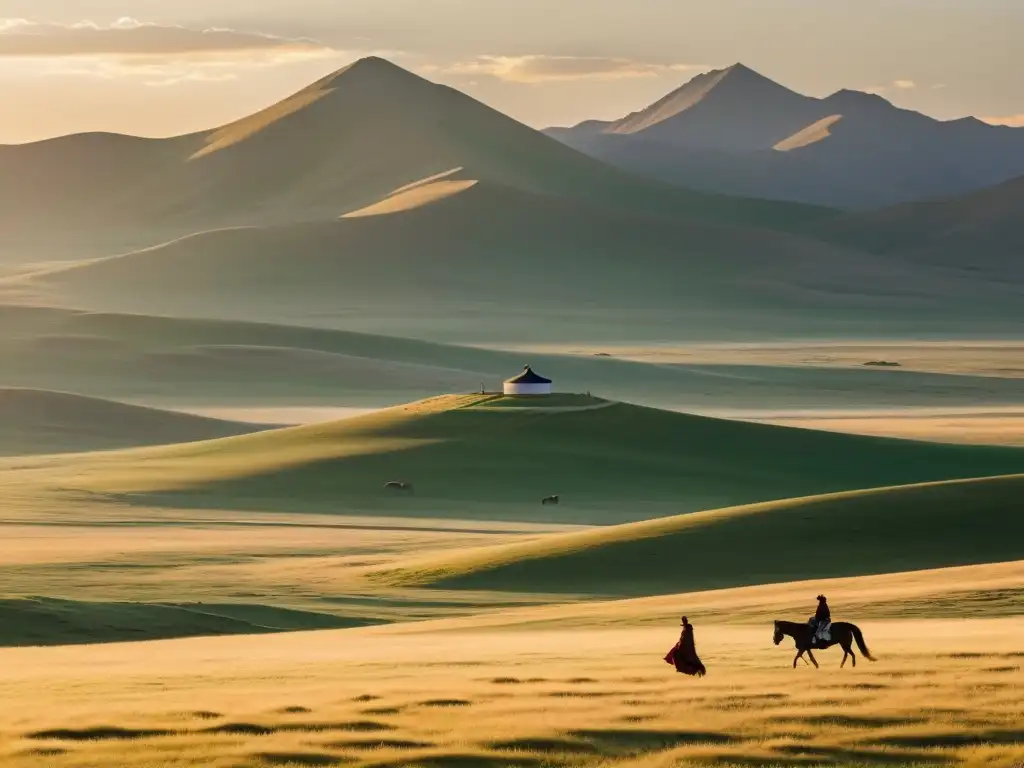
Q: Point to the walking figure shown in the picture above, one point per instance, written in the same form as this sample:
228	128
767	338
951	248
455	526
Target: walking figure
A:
684	653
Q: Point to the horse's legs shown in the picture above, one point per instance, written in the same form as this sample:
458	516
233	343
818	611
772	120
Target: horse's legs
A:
853	657
846	652
796	658
814	661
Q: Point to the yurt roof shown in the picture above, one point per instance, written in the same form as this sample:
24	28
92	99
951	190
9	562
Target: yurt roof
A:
528	377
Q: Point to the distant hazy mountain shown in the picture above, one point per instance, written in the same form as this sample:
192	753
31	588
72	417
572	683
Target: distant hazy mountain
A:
736	132
713	111
374	199
982	233
334	147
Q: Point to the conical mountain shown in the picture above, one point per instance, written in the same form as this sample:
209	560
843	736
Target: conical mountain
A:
736	132
373	127
334	147
376	196
368	129
734	109
701	106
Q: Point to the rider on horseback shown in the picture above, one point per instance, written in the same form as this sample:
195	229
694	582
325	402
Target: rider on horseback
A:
822	621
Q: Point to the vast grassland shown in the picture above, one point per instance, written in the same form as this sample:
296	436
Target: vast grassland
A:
160	602
561	685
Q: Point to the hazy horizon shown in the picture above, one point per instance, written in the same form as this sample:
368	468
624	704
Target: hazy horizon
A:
146	68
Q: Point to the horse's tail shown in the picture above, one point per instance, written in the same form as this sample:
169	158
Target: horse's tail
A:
859	637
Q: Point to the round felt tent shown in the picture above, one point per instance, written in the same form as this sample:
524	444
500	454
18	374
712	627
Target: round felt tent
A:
528	383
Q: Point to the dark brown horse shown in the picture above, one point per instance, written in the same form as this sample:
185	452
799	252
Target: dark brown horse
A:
841	633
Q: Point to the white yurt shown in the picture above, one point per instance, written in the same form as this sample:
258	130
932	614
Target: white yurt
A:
528	383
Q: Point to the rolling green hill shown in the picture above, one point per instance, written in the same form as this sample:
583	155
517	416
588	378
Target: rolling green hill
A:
34	421
610	462
848	534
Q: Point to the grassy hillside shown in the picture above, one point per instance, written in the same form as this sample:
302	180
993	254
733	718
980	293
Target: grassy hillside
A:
33	421
511	259
75	195
981	232
176	362
467	458
47	621
856	533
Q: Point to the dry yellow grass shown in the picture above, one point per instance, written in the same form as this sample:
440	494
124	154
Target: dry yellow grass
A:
469	692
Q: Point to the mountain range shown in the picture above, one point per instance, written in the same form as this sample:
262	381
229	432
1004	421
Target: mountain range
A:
334	147
737	132
375	200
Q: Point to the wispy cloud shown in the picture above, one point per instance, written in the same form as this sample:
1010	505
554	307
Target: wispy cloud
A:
546	69
899	85
159	54
1014	121
130	38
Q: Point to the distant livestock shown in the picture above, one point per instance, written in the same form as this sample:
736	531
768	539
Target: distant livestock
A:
549	500
397	485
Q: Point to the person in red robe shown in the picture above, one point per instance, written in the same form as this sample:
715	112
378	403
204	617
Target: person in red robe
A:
683	655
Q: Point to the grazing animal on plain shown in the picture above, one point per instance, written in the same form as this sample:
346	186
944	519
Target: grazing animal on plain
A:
549	500
397	485
841	633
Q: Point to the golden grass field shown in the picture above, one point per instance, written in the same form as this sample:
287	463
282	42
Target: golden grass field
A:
467	678
553	685
260	601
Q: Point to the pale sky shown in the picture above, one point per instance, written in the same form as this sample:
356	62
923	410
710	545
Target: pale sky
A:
161	67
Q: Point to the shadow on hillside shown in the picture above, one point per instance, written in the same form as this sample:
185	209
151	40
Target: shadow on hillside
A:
99	733
552	746
461	761
953	739
849	721
299	758
257	729
635	741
